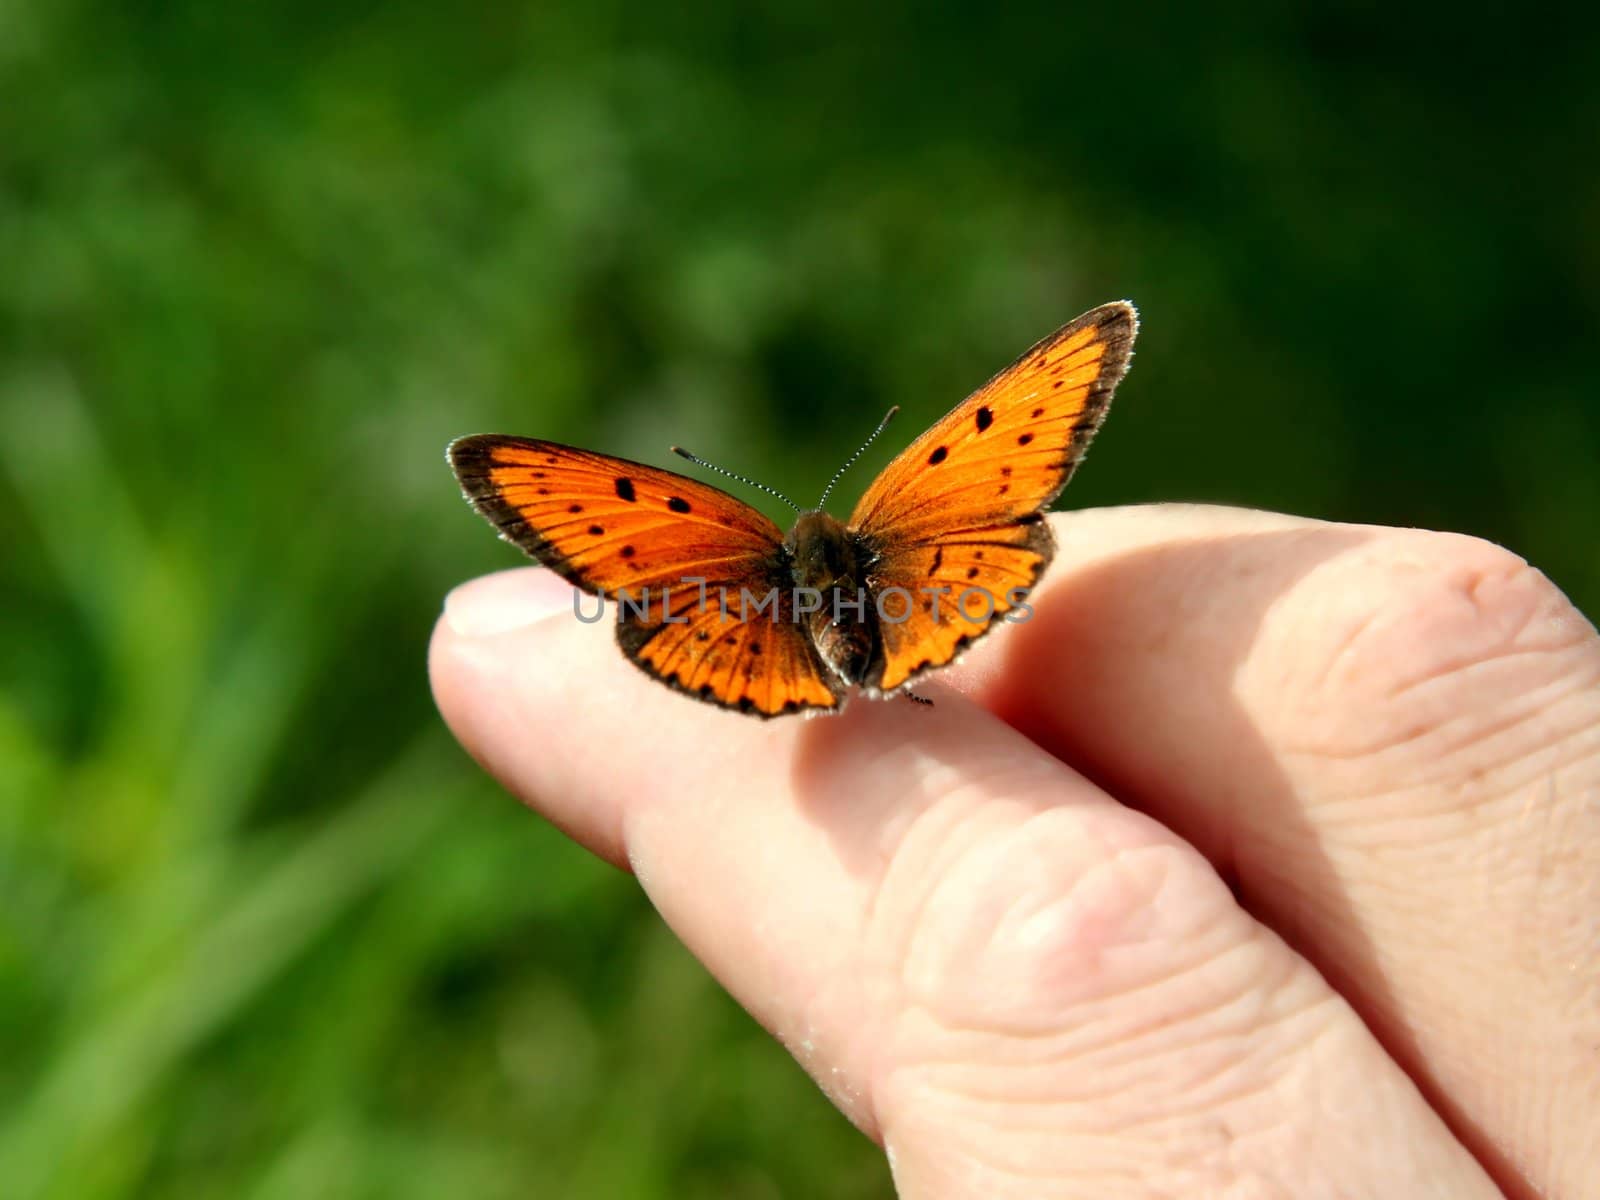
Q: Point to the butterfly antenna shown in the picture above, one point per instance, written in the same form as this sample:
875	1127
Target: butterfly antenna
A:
760	487
839	474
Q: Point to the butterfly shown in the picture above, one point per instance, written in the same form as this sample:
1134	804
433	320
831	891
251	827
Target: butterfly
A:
943	547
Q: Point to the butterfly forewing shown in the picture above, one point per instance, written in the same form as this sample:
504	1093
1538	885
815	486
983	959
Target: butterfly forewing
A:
667	550
1010	447
960	507
607	523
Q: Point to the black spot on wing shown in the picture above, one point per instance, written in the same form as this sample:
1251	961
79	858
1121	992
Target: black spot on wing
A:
625	489
1024	439
938	456
678	504
985	419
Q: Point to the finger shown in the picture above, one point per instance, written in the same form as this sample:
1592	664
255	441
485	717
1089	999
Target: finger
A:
1390	740
1022	987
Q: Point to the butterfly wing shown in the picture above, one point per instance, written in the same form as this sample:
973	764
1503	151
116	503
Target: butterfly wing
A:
611	526
738	644
961	508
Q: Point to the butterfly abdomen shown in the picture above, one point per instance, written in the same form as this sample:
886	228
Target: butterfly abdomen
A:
829	568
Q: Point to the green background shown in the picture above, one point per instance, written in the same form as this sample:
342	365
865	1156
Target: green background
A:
264	932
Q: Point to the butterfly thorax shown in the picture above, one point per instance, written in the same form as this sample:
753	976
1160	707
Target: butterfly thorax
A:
827	559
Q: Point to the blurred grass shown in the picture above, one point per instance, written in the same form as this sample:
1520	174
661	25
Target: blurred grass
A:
263	931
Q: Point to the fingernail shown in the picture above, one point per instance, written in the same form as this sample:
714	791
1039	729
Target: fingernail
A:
505	601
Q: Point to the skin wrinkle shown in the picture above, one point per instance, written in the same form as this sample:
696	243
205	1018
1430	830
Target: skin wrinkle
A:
1382	745
1534	771
1527	707
1195	1149
1001	814
1584	726
1190	1158
1101	1032
1462	672
954	845
1268	1004
1524	601
1541	841
920	982
1536	708
1206	1145
1563	933
1008	1136
1511	568
920	863
936	787
937	1041
1492	792
1345	648
1230	1034
1187	1100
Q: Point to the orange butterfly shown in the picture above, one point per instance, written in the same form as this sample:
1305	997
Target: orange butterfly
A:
739	615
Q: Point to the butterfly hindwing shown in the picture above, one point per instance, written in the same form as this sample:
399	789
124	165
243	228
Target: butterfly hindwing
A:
643	537
961	586
737	644
962	505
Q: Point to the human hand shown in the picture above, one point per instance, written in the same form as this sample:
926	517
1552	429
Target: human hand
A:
1000	932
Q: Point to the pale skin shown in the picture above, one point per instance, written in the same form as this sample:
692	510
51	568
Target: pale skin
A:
1264	860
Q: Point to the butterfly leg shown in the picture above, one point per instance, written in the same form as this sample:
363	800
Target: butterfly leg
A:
910	695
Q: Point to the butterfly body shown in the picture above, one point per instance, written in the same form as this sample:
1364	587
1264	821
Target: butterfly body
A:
829	560
716	601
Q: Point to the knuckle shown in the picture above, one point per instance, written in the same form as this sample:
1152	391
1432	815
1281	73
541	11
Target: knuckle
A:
1031	928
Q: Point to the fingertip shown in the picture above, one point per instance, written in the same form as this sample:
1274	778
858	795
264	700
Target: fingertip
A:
509	683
